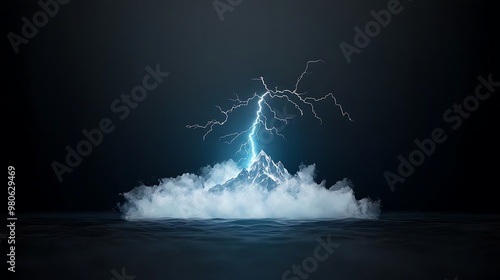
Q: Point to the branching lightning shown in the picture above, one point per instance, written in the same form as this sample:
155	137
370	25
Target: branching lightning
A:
264	111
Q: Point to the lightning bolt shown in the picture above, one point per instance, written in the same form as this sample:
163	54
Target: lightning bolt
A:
255	124
265	112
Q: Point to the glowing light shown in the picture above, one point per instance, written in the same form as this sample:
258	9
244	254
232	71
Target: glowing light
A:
261	121
254	127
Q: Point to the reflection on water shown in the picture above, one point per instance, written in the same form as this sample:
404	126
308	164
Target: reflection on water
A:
396	246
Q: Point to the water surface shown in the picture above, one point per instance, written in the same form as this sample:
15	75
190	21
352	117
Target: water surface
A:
396	246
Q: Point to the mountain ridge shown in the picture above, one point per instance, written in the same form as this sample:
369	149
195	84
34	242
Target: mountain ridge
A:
263	173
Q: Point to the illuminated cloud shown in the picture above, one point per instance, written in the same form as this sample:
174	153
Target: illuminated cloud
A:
265	190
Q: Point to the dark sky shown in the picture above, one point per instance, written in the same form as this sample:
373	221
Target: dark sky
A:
428	57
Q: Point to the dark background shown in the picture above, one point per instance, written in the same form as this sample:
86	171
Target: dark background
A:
428	58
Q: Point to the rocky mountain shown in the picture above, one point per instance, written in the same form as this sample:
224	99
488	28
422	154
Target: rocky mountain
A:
263	173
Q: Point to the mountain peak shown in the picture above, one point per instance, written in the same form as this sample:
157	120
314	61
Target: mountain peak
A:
263	163
263	171
261	154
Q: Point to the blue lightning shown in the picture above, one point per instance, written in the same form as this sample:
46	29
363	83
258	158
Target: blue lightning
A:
254	127
261	121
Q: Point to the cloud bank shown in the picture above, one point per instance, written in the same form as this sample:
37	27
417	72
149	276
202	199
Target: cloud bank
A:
298	197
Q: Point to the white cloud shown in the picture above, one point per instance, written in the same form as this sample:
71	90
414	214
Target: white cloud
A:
298	197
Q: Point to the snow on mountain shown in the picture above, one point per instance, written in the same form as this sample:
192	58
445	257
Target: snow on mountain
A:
263	173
